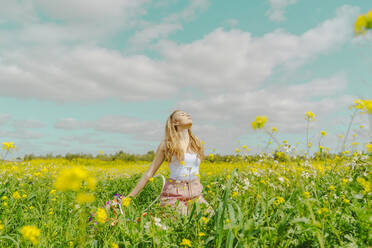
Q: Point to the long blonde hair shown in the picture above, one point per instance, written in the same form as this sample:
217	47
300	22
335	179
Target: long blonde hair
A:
172	141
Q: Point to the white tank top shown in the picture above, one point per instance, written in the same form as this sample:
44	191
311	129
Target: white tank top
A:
187	171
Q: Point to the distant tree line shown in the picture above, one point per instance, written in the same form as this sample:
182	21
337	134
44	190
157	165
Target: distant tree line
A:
149	156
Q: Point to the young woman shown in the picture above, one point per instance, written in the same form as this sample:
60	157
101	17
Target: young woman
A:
185	152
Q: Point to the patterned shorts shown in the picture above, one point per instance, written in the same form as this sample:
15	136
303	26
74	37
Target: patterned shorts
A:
182	191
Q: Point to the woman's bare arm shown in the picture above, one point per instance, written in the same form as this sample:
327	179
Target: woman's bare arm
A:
158	160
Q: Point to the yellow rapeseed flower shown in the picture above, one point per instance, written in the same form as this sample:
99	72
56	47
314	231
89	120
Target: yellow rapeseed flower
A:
182	162
186	242
307	194
360	25
71	179
273	129
85	198
31	233
234	194
4	198
8	145
1	227
309	116
16	195
369	147
309	144
126	201
200	234
323	133
279	200
151	179
259	122
101	215
332	188
114	245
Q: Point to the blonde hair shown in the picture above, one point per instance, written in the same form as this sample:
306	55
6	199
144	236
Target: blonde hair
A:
172	141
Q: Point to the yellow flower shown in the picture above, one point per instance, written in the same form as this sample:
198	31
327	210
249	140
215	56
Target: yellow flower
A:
279	200
259	122
91	183
354	143
101	215
273	129
1	227
85	198
346	200
228	177
31	207
186	242
228	220
5	204
307	194
234	194
344	180
205	220
52	192
151	179
31	233
126	201
340	136
367	103
332	188
323	133
71	179
8	145
369	147
360	24
182	162
211	155
24	196
237	150
309	116
114	245
200	234
4	198
309	144
16	195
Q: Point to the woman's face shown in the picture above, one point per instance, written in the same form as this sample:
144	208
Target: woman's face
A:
181	118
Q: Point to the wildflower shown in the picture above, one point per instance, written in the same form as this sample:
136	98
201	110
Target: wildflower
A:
101	215
245	147
24	196
309	144
52	192
4	198
323	133
344	180
322	210
205	220
186	242
365	184
211	155
279	200
228	177
71	179
332	188
8	145
340	136
16	195
237	150
91	183
309	116
273	129
5	204
114	245
31	233
151	179
182	162
369	147
307	194
259	122
200	234
284	142
202	142
354	143
234	194
1	227
126	201
228	220
85	198
360	24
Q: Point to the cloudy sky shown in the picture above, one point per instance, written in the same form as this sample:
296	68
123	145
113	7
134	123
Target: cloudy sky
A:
84	76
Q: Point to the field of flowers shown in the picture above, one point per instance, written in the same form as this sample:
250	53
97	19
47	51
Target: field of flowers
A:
278	199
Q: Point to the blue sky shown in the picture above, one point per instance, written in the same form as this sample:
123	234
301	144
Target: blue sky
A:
84	76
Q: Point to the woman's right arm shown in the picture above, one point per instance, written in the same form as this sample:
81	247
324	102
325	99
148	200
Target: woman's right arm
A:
158	160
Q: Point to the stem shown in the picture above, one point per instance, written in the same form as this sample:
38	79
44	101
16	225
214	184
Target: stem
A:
348	129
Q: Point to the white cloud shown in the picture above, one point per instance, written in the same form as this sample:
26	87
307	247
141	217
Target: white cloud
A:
4	118
276	13
83	139
153	31
149	130
21	133
27	124
88	73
